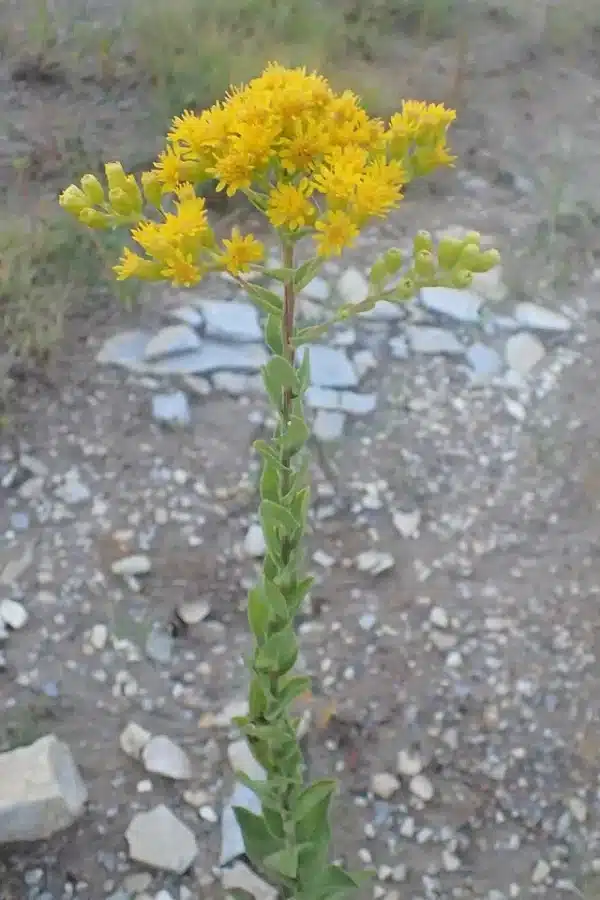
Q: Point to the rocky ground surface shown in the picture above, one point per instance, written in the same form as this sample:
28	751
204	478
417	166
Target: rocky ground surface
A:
451	634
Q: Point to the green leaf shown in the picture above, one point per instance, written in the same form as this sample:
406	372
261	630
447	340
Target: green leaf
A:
305	273
279	652
267	300
274	514
274	821
258	697
259	613
295	435
293	686
273	333
303	370
266	451
273	542
300	506
283	275
258	840
283	862
283	373
273	387
275	598
335	882
296	597
312	796
270	480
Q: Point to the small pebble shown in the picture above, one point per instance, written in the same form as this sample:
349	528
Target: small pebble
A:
421	787
384	785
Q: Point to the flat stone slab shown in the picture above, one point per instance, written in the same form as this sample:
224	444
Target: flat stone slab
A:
41	791
159	840
230	321
127	349
432	341
213	357
329	367
538	318
460	305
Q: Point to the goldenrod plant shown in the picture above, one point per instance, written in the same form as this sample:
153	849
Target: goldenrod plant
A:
319	169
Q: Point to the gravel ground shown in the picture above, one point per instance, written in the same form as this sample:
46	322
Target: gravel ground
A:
452	631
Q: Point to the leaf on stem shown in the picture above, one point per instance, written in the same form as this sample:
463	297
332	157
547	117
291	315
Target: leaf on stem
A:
283	862
259	613
282	373
258	840
295	435
305	273
274	514
273	333
267	300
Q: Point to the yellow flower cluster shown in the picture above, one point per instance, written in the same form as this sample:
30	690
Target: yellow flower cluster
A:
311	160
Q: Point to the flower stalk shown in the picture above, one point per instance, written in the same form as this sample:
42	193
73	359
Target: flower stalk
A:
319	169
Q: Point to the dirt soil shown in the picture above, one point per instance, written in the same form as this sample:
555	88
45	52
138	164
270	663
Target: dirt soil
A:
505	716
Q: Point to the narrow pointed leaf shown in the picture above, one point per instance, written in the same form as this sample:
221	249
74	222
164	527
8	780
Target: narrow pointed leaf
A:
267	300
284	862
273	514
305	273
282	372
273	333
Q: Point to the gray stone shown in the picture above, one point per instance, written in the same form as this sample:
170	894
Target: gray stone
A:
352	286
130	566
374	562
187	315
41	791
161	756
384	785
385	311
159	646
254	543
328	425
13	614
73	491
171	341
409	763
318	289
357	404
490	285
213	357
193	611
230	321
421	787
126	349
323	398
407	523
159	840
237	383
364	361
460	305
329	366
431	341
538	318
399	347
484	361
171	409
241	878
241	760
133	739
523	352
232	840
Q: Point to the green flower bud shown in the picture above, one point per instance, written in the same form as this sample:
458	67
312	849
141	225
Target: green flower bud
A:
93	190
422	241
393	260
448	252
462	278
486	261
472	237
116	177
95	219
379	273
405	289
424	264
73	200
469	257
152	188
120	202
134	194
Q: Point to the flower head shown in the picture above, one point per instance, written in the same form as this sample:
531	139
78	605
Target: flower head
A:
336	230
289	205
240	252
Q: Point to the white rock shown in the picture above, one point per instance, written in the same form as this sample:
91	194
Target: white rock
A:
523	352
490	285
15	568
241	877
171	340
531	315
443	640
421	787
41	791
137	564
161	756
364	361
541	870
407	523
13	614
353	287
133	739
73	491
232	839
384	785
99	636
254	543
461	305
375	562
193	612
241	760
439	617
433	341
158	839
317	289
385	311
328	425
578	809
450	861
408	763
